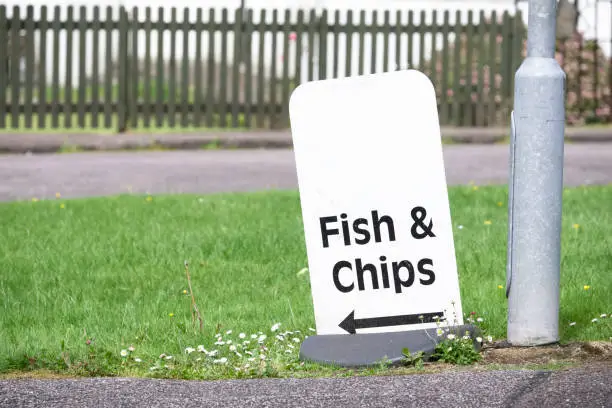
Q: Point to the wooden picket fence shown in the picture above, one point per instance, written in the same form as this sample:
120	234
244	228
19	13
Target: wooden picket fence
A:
236	68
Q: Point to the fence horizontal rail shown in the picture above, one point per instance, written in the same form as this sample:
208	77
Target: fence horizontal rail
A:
330	28
79	113
114	107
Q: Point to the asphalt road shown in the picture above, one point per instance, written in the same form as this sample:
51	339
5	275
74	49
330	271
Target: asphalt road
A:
201	171
584	388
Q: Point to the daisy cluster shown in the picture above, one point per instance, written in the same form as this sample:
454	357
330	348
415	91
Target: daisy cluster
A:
246	353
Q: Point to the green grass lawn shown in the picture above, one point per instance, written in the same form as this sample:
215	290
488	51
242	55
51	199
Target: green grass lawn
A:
82	280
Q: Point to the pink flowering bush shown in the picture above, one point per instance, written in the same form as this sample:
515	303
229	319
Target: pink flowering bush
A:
588	80
481	87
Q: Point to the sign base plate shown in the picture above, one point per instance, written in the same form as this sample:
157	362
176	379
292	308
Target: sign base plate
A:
370	349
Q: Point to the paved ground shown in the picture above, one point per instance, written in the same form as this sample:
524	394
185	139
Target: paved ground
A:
584	388
208	171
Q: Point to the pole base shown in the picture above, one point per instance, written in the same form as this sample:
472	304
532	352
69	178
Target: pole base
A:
370	349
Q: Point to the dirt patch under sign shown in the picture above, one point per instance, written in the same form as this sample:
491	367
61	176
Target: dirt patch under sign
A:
502	353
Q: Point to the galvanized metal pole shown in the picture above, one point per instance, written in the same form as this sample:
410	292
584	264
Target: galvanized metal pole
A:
536	186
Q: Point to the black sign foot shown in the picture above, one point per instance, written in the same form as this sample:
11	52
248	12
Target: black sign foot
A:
369	349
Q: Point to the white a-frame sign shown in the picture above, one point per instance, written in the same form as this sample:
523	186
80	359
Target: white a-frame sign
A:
374	202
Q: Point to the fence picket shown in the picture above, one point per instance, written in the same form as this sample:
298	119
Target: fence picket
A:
323	31
211	106
468	115
285	86
69	62
4	62
434	44
109	69
185	71
236	61
492	67
336	45
173	28
362	32
349	30
133	71
386	32
506	54
482	50
421	31
374	36
55	93
198	66
398	40
272	88
410	35
146	88
29	65
14	70
223	69
299	35
261	102
122	59
517	47
248	92
81	93
95	68
457	94
41	93
444	98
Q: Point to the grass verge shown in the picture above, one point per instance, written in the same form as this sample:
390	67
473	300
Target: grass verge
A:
98	286
109	125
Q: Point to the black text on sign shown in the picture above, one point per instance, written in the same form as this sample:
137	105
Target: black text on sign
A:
383	274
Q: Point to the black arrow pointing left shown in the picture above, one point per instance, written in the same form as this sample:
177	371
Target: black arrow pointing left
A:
350	324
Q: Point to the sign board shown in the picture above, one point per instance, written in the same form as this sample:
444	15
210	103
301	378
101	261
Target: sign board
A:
374	203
